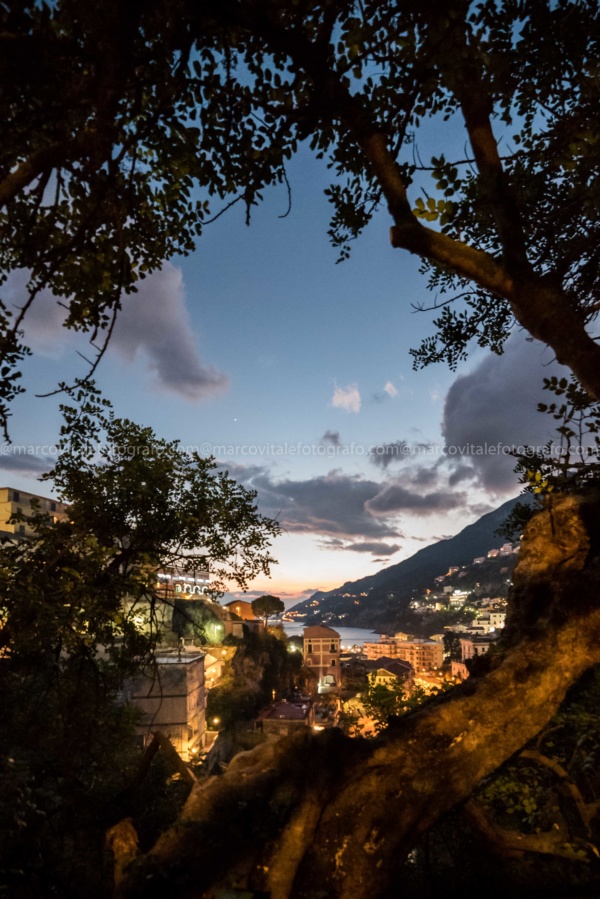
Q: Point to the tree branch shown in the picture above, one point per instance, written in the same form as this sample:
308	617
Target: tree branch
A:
512	843
352	828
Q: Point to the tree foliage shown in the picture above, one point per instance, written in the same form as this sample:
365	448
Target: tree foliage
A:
267	606
136	124
80	612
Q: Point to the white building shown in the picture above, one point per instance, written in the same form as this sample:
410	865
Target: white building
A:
172	699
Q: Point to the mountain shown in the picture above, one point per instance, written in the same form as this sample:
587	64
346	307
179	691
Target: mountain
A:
381	599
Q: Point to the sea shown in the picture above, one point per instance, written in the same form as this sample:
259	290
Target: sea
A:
350	636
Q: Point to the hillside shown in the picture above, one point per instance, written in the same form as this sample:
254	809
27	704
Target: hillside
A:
382	600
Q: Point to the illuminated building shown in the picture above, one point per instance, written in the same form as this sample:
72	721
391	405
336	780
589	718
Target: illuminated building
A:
14	501
172	698
322	655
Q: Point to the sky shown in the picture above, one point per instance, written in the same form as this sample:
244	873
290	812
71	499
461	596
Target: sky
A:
295	373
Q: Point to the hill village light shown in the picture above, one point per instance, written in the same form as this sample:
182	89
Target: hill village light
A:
184	583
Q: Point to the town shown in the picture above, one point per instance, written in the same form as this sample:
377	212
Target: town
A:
200	638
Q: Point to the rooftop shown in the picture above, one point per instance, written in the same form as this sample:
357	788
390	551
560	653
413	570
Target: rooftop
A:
320	630
289	711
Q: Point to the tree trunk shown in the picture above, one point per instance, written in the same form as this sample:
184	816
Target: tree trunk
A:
327	816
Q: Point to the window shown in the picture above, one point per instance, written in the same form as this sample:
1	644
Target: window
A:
310	647
333	663
21	529
53	507
16	496
332	647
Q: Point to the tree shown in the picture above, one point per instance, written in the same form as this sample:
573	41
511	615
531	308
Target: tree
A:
452	648
71	601
136	118
127	112
266	606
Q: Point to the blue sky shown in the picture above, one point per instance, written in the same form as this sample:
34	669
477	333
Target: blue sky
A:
259	342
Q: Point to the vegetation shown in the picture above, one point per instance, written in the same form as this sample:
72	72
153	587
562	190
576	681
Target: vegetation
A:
137	124
380	705
267	606
80	613
261	667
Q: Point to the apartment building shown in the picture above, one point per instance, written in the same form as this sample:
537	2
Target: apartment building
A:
13	502
475	646
423	655
322	655
172	699
386	647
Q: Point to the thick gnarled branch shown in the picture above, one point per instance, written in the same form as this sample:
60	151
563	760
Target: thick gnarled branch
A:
352	810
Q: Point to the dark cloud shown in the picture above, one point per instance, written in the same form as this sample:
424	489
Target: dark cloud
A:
332	437
154	323
334	504
496	406
374	547
385	454
395	498
343	507
26	463
461	473
381	549
423	477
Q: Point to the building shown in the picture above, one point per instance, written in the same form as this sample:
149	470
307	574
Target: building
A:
386	647
423	655
458	598
175	583
13	502
172	700
474	646
241	608
281	718
386	672
235	627
459	670
322	655
213	669
490	621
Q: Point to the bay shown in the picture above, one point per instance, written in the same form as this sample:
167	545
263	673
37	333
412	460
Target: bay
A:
350	636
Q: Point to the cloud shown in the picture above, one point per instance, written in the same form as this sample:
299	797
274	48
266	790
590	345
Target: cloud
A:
495	406
26	463
347	398
332	437
373	547
423	477
395	498
43	324
385	454
153	323
461	473
335	505
349	509
389	391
